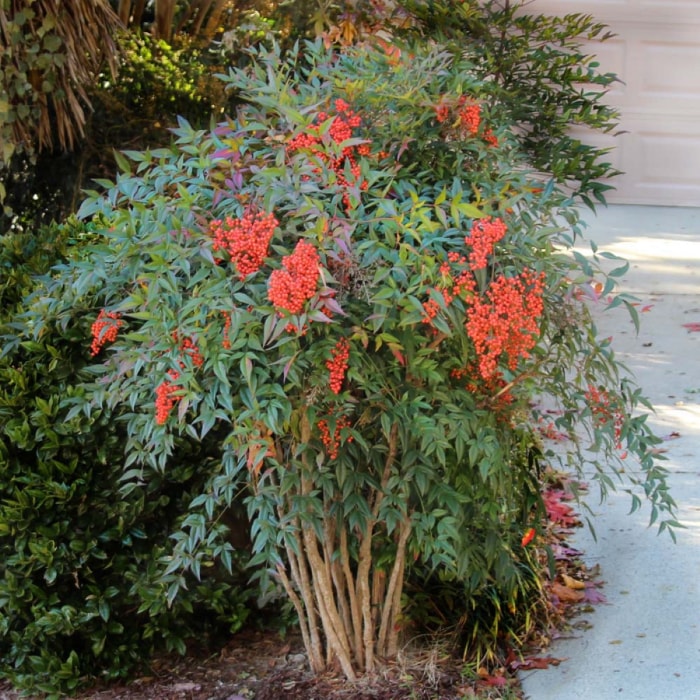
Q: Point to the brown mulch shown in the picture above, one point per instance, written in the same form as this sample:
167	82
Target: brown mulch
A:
257	665
263	666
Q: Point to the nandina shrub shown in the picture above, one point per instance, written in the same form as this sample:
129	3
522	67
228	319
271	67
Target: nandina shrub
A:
352	294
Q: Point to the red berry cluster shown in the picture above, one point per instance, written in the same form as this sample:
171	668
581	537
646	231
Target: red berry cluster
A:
341	129
338	364
332	442
460	280
490	137
467	117
605	410
484	235
165	390
188	346
226	342
104	330
442	112
290	288
164	396
503	324
246	239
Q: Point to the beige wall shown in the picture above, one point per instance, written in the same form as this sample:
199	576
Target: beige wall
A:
657	56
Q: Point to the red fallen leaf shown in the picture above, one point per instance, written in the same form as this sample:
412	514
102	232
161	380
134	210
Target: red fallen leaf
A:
566	594
535	663
647	308
692	327
562	552
558	511
671	436
494	681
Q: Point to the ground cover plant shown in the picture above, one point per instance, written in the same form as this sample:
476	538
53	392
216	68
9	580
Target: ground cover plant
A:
342	307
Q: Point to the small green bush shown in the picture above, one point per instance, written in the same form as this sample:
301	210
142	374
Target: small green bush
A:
80	594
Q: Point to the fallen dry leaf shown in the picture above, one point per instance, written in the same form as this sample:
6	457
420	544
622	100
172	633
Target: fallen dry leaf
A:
593	596
566	595
558	511
536	663
572	583
494	681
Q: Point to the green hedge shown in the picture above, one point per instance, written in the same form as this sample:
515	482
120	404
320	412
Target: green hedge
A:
79	591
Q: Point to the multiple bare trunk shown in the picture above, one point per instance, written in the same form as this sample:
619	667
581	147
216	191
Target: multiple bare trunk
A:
348	608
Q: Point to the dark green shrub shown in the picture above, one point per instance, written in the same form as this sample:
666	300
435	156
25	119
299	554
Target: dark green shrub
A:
80	594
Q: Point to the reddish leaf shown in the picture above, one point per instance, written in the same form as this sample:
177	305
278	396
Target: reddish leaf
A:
558	511
535	662
593	596
528	537
561	552
565	594
494	681
692	327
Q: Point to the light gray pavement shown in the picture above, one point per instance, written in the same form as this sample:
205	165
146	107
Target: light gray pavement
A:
645	643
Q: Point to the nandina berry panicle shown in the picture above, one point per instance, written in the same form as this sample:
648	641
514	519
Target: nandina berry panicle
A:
338	365
342	127
482	238
226	341
457	280
104	330
469	116
165	399
464	117
503	323
189	347
332	441
291	287
246	240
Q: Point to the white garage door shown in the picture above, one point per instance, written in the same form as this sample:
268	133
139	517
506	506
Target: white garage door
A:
657	56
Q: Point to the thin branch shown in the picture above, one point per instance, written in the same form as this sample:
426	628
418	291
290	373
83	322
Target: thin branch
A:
316	663
365	554
352	595
387	640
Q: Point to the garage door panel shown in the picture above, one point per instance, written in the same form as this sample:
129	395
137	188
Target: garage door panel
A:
670	69
661	165
659	12
671	156
656	54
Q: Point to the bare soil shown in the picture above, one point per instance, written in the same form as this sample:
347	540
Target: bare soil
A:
263	666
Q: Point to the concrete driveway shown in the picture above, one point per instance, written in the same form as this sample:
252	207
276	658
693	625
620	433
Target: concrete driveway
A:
645	643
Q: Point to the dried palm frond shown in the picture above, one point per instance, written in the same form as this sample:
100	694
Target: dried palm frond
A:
47	98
